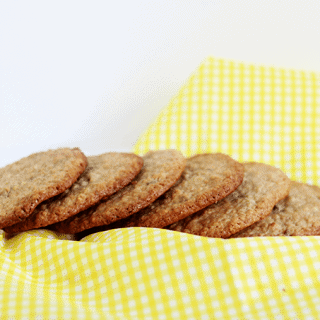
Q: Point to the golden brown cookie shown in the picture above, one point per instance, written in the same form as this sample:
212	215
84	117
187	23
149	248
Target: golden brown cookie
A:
262	187
160	171
206	179
31	180
104	175
296	215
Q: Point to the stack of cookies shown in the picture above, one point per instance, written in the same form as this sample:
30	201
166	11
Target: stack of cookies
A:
209	195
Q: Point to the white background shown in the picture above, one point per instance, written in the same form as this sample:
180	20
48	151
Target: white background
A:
94	74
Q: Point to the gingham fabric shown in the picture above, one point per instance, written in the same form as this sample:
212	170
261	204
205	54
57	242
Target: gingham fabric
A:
252	113
249	112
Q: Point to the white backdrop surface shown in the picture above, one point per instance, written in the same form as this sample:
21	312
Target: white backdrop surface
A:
94	74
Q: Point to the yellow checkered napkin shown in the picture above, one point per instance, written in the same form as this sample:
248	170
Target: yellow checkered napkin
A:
140	273
249	112
252	113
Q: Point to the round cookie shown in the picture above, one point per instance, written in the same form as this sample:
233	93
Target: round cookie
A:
206	179
104	175
262	187
31	180
160	171
296	215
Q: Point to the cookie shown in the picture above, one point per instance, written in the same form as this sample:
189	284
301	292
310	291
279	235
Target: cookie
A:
262	187
160	171
36	178
206	179
296	215
104	175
